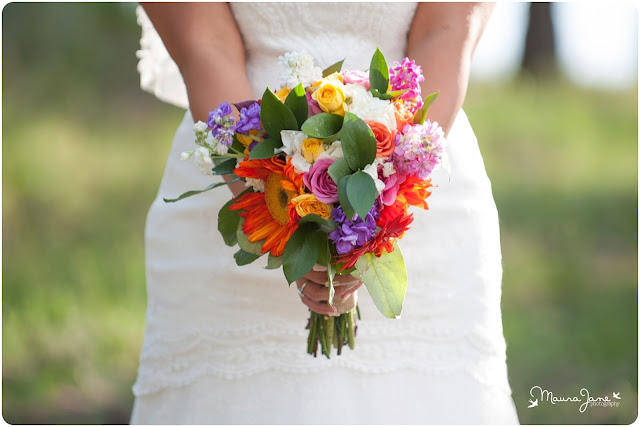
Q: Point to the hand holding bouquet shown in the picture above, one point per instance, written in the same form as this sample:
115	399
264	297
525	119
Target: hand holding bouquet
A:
331	160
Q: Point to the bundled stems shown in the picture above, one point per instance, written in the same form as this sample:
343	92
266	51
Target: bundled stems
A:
328	332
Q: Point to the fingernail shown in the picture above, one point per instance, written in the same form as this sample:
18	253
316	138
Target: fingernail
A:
334	314
318	267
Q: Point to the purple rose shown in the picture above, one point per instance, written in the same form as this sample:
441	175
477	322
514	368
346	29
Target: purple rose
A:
319	181
314	108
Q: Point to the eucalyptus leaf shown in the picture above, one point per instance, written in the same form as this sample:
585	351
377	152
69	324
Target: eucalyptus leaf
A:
296	101
302	252
225	167
274	262
361	192
338	169
379	73
342	197
325	225
243	240
228	223
358	143
386	280
243	258
264	149
335	68
194	192
322	125
276	116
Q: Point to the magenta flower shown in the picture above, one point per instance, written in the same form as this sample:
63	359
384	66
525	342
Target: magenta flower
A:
314	108
319	181
419	149
407	75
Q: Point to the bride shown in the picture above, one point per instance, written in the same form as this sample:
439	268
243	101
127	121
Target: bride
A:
226	345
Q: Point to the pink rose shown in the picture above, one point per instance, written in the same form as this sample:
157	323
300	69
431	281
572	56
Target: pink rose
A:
319	181
391	186
314	108
355	77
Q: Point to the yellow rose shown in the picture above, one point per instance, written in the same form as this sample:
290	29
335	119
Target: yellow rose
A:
306	204
334	77
246	140
282	93
330	97
311	149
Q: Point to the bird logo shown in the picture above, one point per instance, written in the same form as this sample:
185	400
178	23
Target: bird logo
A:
616	395
534	403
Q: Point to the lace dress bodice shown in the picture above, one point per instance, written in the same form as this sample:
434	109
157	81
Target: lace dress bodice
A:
206	316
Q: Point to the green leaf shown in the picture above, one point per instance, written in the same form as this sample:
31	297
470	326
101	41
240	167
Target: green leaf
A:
275	115
225	167
244	243
361	192
325	225
421	114
322	125
228	223
342	197
264	149
244	258
386	280
237	145
335	68
274	262
302	252
358	142
338	169
389	95
296	101
194	192
379	73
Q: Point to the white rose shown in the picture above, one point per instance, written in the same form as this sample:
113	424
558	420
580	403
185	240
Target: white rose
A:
257	184
372	170
333	152
364	105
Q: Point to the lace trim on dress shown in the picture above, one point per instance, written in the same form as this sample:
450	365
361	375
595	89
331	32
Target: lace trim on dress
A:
176	360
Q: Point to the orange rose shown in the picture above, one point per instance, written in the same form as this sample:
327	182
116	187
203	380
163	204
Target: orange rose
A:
385	139
403	115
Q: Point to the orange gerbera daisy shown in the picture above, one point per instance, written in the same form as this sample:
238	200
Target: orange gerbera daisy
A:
413	191
267	214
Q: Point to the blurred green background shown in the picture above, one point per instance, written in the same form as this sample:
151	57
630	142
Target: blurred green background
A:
83	154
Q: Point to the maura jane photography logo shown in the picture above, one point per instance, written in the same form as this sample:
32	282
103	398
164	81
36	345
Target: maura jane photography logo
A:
539	395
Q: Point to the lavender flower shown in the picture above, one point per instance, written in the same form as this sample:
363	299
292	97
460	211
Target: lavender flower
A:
419	149
222	127
353	233
249	119
217	116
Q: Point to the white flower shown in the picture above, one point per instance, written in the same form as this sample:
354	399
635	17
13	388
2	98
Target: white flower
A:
200	127
219	149
364	105
372	170
203	159
388	169
186	155
257	184
292	146
333	152
298	68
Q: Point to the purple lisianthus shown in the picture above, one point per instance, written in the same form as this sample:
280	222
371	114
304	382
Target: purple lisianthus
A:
320	182
249	119
353	233
218	115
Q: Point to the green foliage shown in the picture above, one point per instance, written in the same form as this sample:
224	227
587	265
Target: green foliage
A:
325	225
343	197
302	251
194	192
274	263
264	149
323	125
276	116
296	101
378	73
335	68
386	280
358	142
228	222
421	114
224	166
244	243
361	192
243	258
339	169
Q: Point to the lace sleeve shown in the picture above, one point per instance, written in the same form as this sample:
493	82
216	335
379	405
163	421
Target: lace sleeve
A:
159	75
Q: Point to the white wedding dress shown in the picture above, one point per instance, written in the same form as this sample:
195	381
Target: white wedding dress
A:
227	344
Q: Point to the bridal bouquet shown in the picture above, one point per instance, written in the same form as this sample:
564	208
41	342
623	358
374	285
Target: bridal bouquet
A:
331	161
